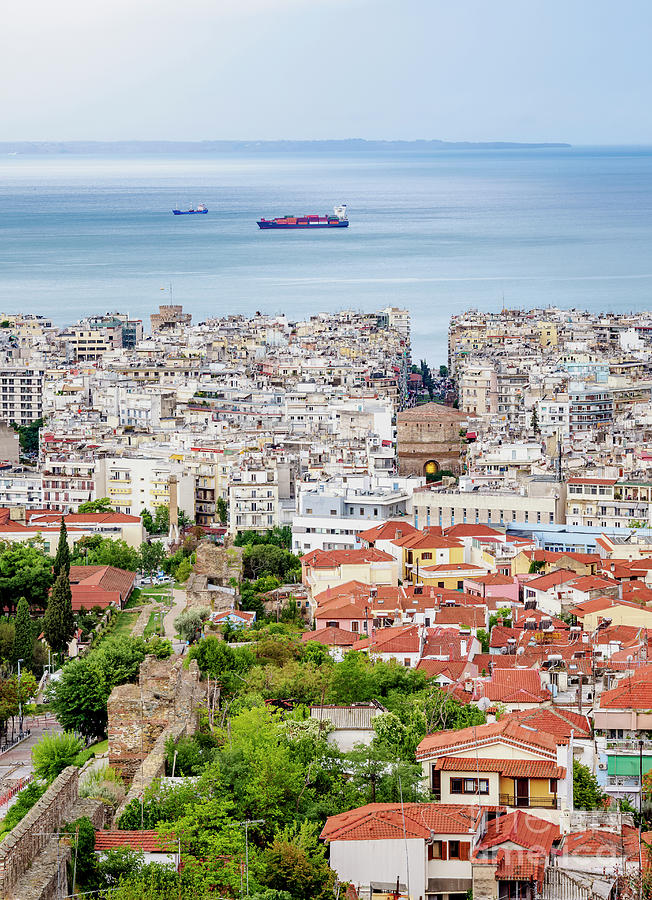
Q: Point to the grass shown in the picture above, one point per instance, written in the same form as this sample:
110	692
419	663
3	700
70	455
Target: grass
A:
154	624
100	748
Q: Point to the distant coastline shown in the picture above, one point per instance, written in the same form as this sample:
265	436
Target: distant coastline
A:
104	148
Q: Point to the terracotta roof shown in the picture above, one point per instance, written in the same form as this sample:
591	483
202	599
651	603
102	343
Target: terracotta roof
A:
400	639
331	559
519	827
555	721
506	730
147	841
331	637
510	768
463	530
631	693
387	531
466	616
520	865
551	580
599	842
382	821
453	669
579	480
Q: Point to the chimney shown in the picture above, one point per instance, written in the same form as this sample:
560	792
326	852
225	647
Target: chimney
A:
17	514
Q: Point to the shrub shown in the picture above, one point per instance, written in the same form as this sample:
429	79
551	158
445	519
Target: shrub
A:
53	753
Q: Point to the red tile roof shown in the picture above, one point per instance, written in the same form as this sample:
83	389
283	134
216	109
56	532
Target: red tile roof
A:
510	768
383	821
631	693
553	720
506	730
331	559
147	841
552	580
387	531
519	827
520	865
331	637
464	530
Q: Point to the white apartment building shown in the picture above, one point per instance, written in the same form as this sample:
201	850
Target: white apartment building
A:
21	487
538	501
553	415
329	516
259	496
608	503
68	481
478	389
21	394
134	483
507	461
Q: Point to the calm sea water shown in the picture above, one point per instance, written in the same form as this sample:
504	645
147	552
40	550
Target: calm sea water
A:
435	232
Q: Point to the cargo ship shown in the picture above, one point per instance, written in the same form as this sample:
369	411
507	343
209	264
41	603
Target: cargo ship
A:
338	220
201	210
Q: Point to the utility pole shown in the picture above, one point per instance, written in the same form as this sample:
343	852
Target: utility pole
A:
246	824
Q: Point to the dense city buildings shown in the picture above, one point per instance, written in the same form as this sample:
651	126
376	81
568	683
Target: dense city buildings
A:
487	527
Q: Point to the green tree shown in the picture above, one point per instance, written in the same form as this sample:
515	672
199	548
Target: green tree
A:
82	869
59	622
94	550
62	558
269	559
28	436
483	637
25	571
79	697
23	634
190	623
536	565
443	371
120	658
586	790
53	753
161	519
534	422
296	863
148	520
152	554
222	510
101	505
279	536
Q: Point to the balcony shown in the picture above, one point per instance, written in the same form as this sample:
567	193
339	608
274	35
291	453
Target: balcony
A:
529	802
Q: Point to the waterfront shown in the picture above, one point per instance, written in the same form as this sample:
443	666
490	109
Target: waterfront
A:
435	233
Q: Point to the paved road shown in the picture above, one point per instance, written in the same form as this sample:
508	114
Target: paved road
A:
17	762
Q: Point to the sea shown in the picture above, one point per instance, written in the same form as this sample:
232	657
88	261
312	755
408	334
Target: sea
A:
436	231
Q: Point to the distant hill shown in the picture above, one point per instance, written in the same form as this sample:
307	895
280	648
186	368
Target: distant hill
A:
104	148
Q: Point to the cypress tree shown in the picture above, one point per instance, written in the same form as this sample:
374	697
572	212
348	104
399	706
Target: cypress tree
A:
62	559
59	623
24	637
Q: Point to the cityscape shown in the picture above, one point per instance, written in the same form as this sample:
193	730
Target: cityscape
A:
437	577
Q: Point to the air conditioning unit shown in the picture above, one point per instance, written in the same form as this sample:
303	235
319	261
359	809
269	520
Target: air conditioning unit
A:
602	765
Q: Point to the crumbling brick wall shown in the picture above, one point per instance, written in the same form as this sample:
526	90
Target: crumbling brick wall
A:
20	847
166	694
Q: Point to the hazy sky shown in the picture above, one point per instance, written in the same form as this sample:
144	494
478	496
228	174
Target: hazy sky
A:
575	70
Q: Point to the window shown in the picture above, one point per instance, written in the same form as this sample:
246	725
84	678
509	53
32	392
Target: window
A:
470	785
406	662
332	625
553	785
426	556
454	850
354	627
434	850
483	786
457	785
333	512
460	585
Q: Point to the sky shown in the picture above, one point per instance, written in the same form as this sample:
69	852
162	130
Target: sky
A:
516	70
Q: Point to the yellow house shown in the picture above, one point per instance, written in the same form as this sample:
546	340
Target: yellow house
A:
323	569
503	764
422	549
450	576
621	612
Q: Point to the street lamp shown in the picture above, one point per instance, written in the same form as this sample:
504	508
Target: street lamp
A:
20	704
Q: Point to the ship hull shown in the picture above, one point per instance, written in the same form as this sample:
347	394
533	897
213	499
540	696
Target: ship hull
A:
309	227
189	212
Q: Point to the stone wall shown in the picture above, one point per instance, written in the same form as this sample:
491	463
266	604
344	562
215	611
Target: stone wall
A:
141	622
21	846
209	585
429	433
166	695
152	767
